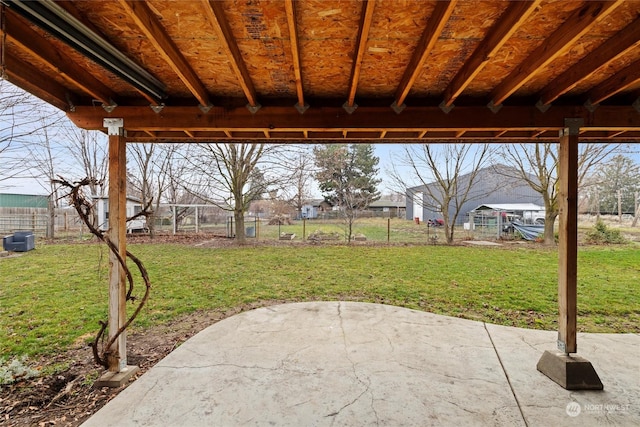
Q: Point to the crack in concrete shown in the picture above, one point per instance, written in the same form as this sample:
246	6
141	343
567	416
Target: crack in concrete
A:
144	396
461	407
367	385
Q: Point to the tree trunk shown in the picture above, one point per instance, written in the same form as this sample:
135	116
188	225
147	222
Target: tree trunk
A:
238	216
448	227
151	219
549	222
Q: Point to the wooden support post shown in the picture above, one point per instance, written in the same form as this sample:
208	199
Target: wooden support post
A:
568	237
117	234
118	371
569	371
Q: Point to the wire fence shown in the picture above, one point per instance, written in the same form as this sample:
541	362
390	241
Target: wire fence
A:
365	228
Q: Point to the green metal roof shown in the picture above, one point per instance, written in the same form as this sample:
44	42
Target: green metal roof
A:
22	201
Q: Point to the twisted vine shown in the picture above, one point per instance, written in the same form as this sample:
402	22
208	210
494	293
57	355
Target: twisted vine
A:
84	207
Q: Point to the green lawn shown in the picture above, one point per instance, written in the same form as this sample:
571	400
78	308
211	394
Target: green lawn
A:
54	297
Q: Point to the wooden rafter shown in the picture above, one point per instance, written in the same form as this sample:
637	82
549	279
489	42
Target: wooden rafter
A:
31	42
158	37
616	83
432	31
215	16
578	23
366	18
290	8
613	48
509	22
34	81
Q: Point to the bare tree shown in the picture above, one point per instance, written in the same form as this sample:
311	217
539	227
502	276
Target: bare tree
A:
296	191
18	128
537	165
231	176
88	153
618	182
446	174
45	159
151	176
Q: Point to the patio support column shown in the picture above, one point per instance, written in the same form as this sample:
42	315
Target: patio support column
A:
568	238
118	371
568	370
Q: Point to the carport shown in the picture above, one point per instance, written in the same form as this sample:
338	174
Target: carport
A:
308	71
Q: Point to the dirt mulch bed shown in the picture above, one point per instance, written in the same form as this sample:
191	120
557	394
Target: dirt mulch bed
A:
68	398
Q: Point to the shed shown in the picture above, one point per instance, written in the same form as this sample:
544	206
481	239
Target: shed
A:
134	206
527	213
314	208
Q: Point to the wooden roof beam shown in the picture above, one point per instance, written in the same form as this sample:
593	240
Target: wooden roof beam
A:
35	82
215	15
436	23
158	37
366	18
508	23
613	48
616	83
290	9
31	42
374	119
578	24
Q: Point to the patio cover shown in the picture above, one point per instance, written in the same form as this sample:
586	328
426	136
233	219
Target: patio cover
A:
411	71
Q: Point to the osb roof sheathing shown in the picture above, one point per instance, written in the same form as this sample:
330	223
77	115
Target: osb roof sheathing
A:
327	40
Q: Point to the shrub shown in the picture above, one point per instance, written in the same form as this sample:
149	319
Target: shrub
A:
601	234
15	370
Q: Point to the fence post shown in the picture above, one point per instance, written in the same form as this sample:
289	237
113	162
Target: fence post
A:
51	223
175	220
197	221
388	230
304	228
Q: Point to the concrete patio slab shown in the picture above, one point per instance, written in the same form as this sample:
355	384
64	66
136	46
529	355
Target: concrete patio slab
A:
347	363
615	357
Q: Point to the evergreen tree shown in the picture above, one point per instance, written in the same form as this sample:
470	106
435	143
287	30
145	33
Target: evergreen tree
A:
347	177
